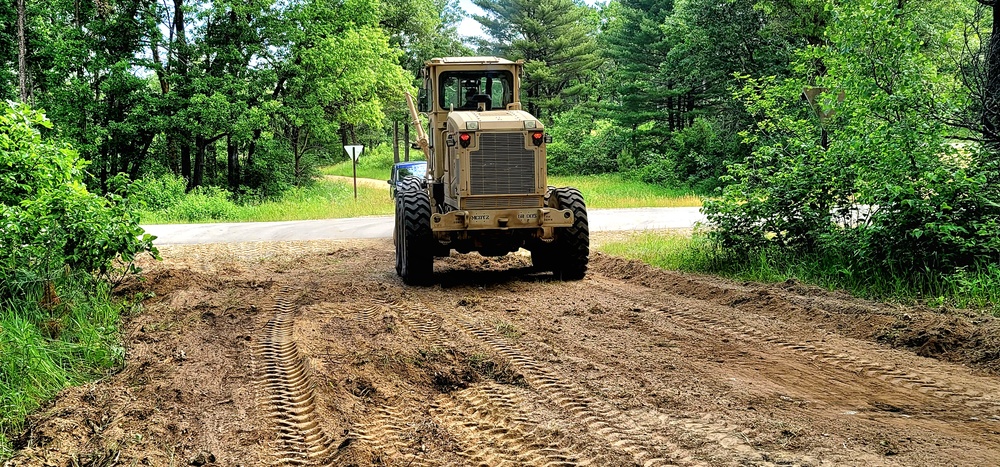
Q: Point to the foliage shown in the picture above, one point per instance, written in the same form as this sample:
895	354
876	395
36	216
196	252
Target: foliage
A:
888	192
583	145
49	220
59	245
555	38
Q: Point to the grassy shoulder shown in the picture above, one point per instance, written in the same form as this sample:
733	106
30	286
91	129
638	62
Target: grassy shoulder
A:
58	335
325	199
979	289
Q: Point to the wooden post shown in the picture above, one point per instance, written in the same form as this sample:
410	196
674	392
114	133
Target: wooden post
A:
406	140
395	141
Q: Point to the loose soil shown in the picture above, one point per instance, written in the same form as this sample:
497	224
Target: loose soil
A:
314	353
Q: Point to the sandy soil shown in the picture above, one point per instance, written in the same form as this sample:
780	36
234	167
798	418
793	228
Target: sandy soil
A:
314	353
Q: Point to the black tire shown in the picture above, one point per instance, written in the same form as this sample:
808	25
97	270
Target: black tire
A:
397	235
409	183
414	245
570	251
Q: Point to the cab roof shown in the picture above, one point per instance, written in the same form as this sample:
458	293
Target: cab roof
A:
471	61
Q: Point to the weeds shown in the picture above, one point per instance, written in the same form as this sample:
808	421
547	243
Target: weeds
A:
507	330
46	349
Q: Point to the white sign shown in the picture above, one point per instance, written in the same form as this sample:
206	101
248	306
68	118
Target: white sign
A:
354	150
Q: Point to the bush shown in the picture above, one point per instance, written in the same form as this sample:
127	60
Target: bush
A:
203	204
888	192
48	219
59	247
583	145
158	193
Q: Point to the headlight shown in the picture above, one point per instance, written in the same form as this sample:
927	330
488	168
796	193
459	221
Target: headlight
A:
471	125
529	124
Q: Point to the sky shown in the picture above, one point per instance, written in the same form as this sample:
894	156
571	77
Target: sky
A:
471	27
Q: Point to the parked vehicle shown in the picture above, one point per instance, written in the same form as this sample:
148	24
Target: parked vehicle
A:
407	175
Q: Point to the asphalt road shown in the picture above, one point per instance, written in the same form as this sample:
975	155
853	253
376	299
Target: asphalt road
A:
381	227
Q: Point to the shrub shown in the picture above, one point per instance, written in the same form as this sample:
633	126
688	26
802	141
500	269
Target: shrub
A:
59	246
48	219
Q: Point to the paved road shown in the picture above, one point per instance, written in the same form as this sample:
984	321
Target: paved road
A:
381	227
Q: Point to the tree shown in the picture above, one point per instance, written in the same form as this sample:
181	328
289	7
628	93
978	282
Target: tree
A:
555	38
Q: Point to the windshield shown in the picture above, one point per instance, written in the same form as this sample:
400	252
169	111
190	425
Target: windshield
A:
464	90
416	170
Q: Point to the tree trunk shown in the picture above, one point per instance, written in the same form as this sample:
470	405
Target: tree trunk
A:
406	141
186	160
22	53
395	141
233	167
198	177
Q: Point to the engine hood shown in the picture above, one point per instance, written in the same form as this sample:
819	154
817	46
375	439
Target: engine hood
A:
492	120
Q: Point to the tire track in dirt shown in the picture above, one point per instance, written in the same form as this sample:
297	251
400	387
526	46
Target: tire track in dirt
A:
291	399
698	322
514	438
599	418
489	411
385	434
424	322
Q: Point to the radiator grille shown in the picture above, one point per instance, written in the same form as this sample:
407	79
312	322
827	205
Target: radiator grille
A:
500	202
502	166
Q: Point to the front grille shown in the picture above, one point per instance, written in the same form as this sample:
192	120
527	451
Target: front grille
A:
502	166
501	202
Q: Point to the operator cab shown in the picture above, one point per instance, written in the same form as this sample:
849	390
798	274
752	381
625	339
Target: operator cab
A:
472	90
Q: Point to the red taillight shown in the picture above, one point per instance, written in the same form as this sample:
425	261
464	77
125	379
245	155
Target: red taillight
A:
465	139
537	138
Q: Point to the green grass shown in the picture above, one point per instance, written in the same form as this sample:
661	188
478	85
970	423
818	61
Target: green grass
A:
615	191
975	288
323	200
45	350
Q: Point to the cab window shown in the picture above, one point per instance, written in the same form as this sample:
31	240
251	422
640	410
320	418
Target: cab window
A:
465	89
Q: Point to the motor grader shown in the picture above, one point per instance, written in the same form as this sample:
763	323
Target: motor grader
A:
486	187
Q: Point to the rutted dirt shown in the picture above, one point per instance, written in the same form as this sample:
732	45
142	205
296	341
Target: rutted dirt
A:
314	353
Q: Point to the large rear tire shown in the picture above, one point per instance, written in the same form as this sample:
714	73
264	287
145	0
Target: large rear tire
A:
409	183
414	244
570	251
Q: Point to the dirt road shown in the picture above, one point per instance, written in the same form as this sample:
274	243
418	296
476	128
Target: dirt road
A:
314	353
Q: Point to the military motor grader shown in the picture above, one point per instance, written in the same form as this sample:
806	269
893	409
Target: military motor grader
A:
486	186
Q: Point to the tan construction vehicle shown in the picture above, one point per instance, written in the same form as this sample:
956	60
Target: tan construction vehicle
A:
486	186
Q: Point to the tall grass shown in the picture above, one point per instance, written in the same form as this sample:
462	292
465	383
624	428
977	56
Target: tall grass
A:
46	348
977	287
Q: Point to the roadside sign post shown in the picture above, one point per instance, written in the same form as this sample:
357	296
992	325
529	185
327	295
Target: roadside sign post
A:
355	150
